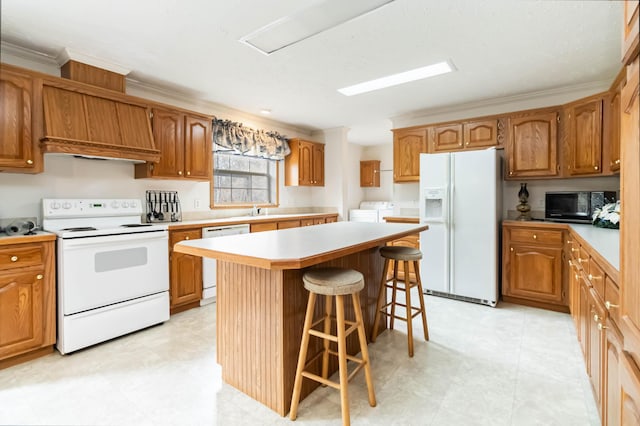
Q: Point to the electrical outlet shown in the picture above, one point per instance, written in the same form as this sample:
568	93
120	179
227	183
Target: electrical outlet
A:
196	203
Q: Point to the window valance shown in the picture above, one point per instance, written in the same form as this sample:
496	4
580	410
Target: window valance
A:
232	136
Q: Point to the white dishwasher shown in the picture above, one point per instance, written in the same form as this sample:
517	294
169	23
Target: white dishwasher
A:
209	265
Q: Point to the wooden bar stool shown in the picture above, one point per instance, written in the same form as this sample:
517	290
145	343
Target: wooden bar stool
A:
330	282
400	254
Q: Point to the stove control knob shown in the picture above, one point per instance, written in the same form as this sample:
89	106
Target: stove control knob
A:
55	205
66	205
125	204
114	204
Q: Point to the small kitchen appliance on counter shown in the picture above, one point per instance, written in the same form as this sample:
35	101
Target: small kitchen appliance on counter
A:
163	206
113	270
18	226
575	206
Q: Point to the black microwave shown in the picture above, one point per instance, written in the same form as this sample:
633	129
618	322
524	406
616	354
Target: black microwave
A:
575	206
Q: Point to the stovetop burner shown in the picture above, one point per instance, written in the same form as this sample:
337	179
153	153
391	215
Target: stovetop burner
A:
80	228
135	225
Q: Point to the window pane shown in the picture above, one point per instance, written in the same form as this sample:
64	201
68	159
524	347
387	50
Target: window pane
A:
243	180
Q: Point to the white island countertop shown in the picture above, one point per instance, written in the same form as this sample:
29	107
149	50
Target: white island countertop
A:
298	248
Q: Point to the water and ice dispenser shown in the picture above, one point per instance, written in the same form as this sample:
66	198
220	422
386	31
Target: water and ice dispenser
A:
434	205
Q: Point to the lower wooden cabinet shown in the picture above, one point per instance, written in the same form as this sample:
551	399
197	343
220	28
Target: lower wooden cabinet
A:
629	391
532	266
611	386
27	301
185	281
408	241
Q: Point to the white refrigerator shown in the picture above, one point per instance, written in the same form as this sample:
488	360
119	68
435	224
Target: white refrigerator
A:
460	200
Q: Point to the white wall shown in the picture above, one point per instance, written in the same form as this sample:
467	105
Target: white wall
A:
66	176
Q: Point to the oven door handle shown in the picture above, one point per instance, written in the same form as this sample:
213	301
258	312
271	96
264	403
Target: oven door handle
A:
120	238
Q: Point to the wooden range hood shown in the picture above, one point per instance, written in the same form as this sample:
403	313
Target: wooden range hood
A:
87	120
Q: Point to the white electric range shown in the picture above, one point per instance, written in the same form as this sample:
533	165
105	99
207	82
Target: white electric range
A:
113	270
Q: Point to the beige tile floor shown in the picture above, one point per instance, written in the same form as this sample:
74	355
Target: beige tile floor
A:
511	365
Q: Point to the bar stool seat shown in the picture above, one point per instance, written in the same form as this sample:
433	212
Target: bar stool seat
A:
330	283
400	254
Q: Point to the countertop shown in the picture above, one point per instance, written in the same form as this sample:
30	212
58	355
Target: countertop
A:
20	239
603	240
238	220
297	248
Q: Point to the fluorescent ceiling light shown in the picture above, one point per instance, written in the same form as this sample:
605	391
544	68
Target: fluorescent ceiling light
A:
265	111
400	78
304	23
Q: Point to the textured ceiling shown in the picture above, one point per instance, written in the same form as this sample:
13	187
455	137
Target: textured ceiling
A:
500	48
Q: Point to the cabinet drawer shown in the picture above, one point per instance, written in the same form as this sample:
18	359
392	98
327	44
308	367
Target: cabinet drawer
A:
177	236
21	255
596	277
583	260
306	222
612	300
288	224
540	236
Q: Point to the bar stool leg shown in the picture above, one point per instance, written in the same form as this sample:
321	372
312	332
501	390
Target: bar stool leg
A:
302	357
393	293
363	348
407	284
342	361
421	294
382	293
327	329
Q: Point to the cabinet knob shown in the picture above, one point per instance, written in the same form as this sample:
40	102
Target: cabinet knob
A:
590	276
535	237
610	305
29	162
511	249
596	317
510	173
188	173
572	249
180	172
595	167
14	258
577	276
618	161
187	237
570	263
39	276
601	327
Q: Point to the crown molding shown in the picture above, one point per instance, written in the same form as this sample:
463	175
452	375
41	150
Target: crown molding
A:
504	104
188	99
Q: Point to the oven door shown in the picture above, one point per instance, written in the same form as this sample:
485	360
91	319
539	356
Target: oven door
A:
100	271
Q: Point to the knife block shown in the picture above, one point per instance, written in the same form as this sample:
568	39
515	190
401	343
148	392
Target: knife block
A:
162	206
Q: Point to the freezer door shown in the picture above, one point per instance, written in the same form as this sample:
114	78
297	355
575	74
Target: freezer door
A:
474	233
434	243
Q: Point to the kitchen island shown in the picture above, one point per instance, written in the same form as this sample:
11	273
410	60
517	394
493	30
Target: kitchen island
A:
261	300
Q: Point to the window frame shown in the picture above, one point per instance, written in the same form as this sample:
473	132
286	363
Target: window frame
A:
213	205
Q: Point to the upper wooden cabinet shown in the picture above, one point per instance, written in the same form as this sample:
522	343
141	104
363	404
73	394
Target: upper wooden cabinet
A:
614	131
184	141
407	146
467	135
446	138
19	150
630	37
305	165
370	173
532	143
585	137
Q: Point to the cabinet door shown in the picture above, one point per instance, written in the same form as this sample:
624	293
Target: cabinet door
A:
186	271
630	39
168	133
407	146
370	173
596	349
613	352
585	318
614	132
536	273
447	138
16	149
574	294
532	145
629	391
197	143
630	226
22	304
481	134
260	227
585	141
318	164
305	166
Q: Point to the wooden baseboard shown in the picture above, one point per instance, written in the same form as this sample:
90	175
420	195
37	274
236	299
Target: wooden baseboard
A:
536	304
185	307
19	359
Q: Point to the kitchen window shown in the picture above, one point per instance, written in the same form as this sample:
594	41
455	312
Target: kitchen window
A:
241	181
